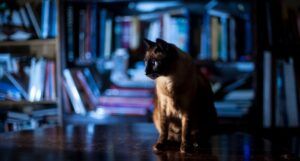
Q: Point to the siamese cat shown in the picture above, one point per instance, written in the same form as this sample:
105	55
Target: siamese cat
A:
184	110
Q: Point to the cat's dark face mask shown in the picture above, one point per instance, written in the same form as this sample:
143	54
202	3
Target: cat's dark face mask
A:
158	58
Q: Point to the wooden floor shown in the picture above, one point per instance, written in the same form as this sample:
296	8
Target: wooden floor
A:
127	143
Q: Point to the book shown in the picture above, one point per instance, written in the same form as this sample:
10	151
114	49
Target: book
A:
81	35
291	94
125	101
50	82
66	100
223	55
53	19
175	29
33	20
280	105
232	108
37	79
44	112
232	40
25	18
108	38
32	83
15	115
87	55
128	92
102	33
205	38
267	89
70	33
92	100
73	93
94	32
215	30
45	19
91	82
18	85
9	92
119	110
53	80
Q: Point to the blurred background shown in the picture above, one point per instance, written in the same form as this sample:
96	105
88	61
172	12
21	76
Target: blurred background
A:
81	62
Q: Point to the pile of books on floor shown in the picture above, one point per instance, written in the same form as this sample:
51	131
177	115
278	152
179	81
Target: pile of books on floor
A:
126	101
82	96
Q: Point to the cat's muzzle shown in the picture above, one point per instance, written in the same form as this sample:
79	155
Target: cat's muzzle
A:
152	75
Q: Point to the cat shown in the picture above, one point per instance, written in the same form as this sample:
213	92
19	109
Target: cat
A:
184	110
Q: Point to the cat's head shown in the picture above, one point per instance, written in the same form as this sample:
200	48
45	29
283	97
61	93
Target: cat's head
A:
159	58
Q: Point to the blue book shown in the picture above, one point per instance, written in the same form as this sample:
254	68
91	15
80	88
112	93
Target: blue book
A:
45	19
206	38
93	26
70	32
103	14
248	35
91	82
53	19
224	40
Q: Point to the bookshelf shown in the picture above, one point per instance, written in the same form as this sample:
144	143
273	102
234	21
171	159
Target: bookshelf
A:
29	97
277	64
26	103
124	24
45	47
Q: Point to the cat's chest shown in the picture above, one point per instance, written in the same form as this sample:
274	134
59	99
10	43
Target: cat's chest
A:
167	98
165	86
170	106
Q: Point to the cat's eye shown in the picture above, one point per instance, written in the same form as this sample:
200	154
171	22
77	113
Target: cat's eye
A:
154	63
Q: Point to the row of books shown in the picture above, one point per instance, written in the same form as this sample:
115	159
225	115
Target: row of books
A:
281	93
30	21
172	26
18	120
91	33
85	34
29	79
82	96
226	37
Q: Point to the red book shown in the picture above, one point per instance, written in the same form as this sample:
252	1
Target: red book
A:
125	101
88	92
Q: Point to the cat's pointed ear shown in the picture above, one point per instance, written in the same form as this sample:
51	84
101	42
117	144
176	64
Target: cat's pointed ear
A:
149	43
162	44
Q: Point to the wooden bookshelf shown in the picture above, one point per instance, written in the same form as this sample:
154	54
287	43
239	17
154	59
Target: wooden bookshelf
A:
27	103
35	42
39	47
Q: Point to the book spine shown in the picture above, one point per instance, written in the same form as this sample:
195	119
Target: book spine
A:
73	93
87	56
53	19
24	17
93	45
267	90
232	40
91	82
33	20
224	39
81	38
108	38
82	81
214	38
102	32
70	32
45	18
291	93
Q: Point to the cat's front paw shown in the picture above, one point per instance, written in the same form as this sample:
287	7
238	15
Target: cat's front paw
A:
186	148
159	146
